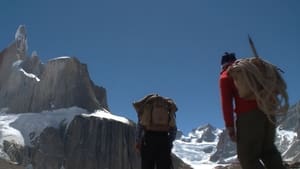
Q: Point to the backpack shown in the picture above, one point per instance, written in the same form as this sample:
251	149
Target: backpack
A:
257	79
156	113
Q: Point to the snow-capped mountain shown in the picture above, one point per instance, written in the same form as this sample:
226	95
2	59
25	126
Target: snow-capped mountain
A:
198	146
209	146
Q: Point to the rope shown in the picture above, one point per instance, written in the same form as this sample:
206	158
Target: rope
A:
264	82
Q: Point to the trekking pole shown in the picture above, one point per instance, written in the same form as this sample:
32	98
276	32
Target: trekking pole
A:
252	46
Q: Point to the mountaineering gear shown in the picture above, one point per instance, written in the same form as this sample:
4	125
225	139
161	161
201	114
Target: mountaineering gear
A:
156	130
252	46
255	141
254	132
156	113
257	79
258	92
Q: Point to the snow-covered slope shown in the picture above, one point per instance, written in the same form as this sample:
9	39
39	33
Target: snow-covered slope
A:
197	148
207	146
195	151
23	128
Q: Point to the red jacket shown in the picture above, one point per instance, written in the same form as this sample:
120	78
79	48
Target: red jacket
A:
230	100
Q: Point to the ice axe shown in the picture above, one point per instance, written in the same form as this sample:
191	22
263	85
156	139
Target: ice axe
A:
252	46
255	52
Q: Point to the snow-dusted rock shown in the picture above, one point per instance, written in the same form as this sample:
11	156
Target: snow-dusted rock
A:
28	85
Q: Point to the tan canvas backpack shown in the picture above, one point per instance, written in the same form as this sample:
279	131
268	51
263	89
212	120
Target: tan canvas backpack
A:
156	113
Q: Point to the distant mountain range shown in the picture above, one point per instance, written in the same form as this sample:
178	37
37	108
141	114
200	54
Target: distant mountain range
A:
210	145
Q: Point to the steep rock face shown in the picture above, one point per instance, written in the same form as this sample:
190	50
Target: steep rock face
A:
15	87
207	133
27	85
88	142
7	165
290	147
179	164
49	150
293	153
225	149
287	139
65	82
292	120
100	144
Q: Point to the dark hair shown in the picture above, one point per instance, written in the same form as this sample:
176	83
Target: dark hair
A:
228	57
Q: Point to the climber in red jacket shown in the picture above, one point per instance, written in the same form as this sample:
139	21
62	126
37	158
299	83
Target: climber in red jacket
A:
249	127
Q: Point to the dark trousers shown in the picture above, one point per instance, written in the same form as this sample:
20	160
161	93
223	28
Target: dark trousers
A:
156	151
255	142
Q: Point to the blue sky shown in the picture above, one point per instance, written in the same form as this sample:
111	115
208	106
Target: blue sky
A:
133	48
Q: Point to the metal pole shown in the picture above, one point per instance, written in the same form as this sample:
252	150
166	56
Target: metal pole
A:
252	47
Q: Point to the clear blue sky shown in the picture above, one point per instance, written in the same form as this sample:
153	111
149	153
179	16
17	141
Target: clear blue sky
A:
170	47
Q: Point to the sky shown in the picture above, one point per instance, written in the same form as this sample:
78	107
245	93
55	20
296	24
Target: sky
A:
135	47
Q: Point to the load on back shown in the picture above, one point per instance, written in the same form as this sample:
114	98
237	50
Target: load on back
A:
258	79
156	113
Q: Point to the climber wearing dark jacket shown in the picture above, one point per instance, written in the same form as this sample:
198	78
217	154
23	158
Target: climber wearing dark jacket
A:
155	132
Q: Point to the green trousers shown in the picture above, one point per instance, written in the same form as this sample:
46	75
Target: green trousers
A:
255	142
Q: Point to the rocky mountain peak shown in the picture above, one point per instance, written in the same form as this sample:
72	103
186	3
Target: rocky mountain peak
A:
206	127
28	85
205	133
63	130
21	41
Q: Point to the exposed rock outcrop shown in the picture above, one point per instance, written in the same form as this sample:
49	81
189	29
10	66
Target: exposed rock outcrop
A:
28	85
88	142
225	149
100	144
179	164
82	142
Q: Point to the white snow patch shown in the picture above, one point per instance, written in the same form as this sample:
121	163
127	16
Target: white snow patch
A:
23	128
62	57
17	63
288	135
107	115
30	75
